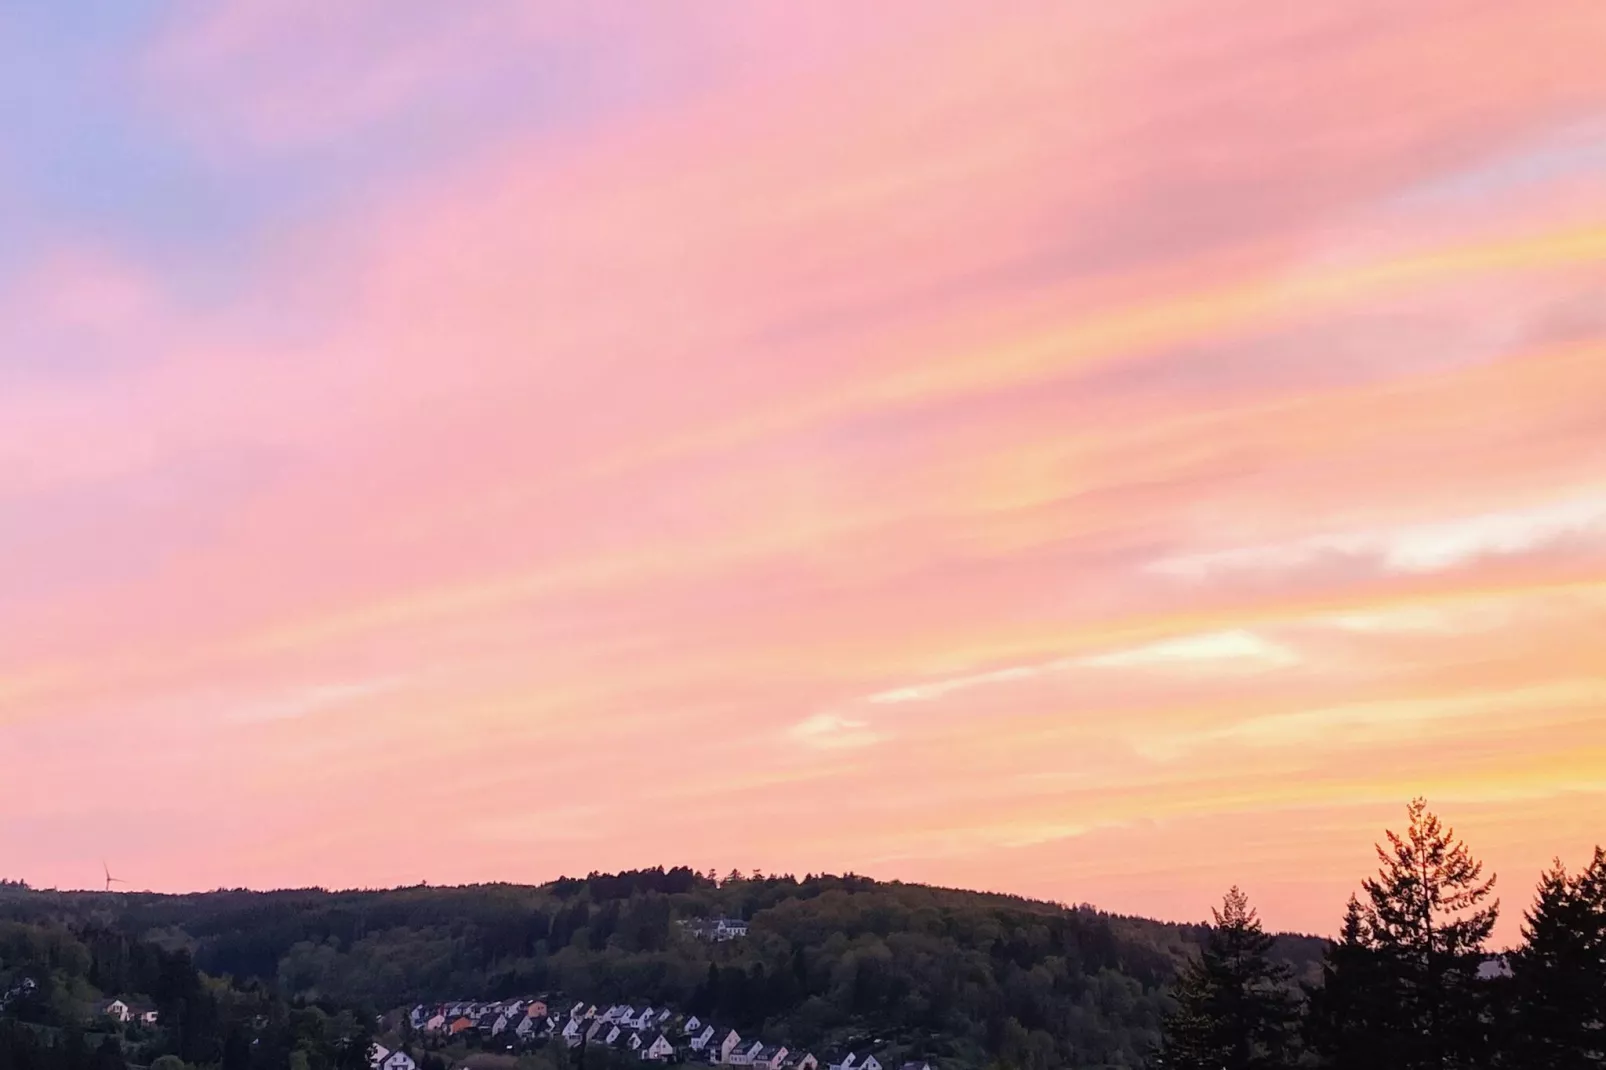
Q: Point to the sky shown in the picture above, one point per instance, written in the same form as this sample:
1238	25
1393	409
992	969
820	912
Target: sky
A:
1103	452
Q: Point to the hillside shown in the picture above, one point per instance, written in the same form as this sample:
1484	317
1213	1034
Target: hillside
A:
962	978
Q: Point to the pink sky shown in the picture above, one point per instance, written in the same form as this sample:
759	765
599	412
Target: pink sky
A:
1101	452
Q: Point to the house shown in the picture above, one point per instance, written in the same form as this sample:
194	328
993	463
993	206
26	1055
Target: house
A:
503	1020
702	1037
529	1028
724	1043
663	1016
487	1022
377	1055
572	1031
743	1054
536	1009
920	1065
717	929
460	1025
615	1012
434	1023
769	1056
115	1009
633	1040
143	1015
693	1025
642	1019
603	1032
398	1060
577	1010
800	1061
659	1051
853	1062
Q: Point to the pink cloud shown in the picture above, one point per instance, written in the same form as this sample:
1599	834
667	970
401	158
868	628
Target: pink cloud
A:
893	366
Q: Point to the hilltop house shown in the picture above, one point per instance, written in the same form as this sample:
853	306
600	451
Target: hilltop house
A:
717	929
115	1009
398	1060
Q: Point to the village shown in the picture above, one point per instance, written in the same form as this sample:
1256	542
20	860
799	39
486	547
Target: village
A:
651	1034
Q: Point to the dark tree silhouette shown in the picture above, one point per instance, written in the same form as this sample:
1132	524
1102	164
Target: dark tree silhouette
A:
1235	1010
1559	973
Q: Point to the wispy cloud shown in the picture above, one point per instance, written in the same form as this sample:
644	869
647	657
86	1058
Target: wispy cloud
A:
1411	548
831	731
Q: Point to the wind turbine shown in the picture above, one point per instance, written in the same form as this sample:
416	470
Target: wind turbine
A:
110	880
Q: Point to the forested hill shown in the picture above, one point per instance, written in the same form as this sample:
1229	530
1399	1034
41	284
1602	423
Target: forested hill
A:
961	977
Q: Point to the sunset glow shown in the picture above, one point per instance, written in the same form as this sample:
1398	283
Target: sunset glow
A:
1104	452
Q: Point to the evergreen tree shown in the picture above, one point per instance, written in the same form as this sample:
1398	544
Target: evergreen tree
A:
1347	1014
1559	973
1428	923
1234	1008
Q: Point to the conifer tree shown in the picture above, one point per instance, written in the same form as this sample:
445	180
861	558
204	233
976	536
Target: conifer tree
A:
1428	923
1559	972
1234	1008
1348	1015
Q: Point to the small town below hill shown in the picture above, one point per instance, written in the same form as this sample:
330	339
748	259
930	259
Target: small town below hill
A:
641	1032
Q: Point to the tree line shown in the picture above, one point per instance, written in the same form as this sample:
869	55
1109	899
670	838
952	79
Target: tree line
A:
55	975
831	962
1409	983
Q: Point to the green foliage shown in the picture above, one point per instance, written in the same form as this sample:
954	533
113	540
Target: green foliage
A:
53	976
961	978
1235	1009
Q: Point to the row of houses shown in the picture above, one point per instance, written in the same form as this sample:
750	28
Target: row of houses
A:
654	1034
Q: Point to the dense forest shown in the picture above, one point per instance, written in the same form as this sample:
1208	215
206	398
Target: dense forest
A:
291	979
961	978
55	975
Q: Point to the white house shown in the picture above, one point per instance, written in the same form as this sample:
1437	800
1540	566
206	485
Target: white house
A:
529	1028
723	1044
659	1051
700	1040
694	1024
503	1020
378	1054
744	1054
398	1060
572	1030
921	1065
633	1040
115	1008
770	1057
804	1061
434	1023
640	1020
577	1010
